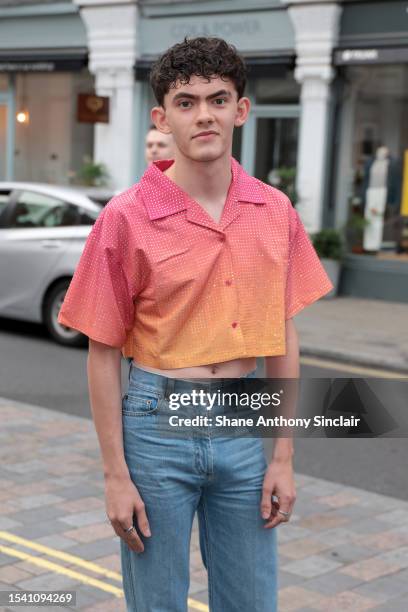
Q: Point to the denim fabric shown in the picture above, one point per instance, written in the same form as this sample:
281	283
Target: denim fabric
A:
221	478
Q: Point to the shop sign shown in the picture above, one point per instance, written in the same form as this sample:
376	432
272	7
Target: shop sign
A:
389	55
92	109
27	66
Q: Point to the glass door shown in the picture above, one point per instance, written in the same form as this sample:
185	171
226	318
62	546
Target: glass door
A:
7	130
270	143
3	142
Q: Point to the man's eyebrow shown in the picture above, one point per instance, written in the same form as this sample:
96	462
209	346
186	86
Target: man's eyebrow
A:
182	94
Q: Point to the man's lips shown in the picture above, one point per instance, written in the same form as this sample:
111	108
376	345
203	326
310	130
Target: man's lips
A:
209	133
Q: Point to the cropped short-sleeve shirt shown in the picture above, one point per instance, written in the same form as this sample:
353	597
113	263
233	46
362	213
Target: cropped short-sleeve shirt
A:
160	279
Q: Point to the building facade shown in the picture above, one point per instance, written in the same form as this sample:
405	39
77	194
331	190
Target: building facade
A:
327	82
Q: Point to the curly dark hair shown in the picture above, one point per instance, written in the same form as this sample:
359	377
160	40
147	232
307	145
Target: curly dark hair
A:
202	56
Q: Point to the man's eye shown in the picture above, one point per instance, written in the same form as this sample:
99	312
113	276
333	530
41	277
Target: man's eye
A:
219	101
185	103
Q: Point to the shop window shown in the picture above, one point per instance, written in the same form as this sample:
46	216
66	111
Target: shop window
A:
377	143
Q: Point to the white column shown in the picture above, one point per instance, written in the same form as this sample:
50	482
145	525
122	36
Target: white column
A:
316	25
112	41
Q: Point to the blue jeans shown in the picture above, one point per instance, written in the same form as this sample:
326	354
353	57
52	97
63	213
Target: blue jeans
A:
221	478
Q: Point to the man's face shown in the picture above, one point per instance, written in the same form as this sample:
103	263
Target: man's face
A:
201	116
158	146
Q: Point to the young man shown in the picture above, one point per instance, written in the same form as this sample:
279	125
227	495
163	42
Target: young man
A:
158	145
193	272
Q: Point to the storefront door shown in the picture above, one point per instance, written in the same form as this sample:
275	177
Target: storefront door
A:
270	143
6	135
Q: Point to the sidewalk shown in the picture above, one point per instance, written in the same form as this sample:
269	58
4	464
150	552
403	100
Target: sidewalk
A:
344	549
367	332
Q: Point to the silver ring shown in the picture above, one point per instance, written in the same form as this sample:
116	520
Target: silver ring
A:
129	529
285	514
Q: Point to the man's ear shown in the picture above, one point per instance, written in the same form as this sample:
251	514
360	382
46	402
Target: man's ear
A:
158	117
243	108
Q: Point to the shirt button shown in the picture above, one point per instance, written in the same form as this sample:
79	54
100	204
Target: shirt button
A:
228	282
222	237
234	324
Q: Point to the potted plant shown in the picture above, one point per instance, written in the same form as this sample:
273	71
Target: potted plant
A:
329	247
284	178
91	174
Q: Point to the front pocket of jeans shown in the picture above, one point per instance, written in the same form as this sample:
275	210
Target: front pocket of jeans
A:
139	402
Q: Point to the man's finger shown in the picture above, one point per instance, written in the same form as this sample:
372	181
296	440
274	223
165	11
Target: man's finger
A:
142	521
131	538
134	541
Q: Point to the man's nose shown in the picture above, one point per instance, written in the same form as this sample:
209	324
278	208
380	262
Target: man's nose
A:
204	114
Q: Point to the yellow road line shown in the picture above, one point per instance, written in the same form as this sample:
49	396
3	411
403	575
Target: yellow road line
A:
197	605
59	569
63	556
344	367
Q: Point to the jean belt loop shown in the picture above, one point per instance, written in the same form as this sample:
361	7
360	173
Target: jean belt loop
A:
130	361
169	387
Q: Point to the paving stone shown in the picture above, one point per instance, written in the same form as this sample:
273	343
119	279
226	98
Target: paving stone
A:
395	517
8	523
295	597
76	491
201	596
348	554
301	548
37	501
289	532
90	534
59	542
331	583
87	595
48	582
81	519
82	504
37	514
393	605
25	467
398	557
96	549
349	600
384	588
11	574
369	569
39	530
311	566
111	562
286	579
111	605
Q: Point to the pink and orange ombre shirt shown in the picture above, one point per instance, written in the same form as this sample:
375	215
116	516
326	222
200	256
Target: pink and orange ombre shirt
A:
162	281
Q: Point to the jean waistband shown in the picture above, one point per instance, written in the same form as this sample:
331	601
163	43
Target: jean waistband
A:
166	385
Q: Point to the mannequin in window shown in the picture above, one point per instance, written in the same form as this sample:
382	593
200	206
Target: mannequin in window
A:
376	200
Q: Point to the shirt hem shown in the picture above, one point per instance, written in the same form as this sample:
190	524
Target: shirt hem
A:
165	364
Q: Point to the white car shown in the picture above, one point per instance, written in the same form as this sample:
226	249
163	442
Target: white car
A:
43	229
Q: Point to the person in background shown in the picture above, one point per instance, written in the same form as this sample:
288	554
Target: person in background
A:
158	145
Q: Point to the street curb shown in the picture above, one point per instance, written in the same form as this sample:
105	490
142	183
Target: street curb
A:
366	360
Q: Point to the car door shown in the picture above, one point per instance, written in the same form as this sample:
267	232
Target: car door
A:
34	236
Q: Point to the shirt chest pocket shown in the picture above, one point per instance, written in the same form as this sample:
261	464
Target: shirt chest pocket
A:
139	401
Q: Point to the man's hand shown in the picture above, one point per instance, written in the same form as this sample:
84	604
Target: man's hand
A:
123	501
278	480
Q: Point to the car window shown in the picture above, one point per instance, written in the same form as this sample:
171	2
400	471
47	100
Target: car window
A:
4	199
87	217
38	210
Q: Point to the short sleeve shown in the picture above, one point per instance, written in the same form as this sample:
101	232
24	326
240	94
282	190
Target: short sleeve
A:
99	301
306	279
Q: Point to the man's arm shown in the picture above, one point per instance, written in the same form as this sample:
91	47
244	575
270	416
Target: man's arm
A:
105	394
279	479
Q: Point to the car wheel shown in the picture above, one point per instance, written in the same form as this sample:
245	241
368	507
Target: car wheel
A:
60	333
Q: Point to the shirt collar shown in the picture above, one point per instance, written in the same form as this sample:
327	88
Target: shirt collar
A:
162	197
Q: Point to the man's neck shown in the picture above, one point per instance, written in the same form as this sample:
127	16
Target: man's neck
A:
203	181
